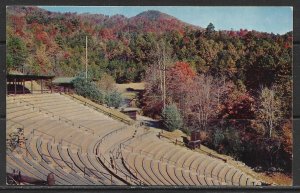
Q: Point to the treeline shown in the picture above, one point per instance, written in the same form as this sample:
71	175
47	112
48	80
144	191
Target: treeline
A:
235	86
253	126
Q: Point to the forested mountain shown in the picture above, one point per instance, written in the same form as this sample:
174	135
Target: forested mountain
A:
44	42
54	42
239	77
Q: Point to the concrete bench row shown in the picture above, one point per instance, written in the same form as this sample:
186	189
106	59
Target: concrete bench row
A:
62	156
186	164
60	145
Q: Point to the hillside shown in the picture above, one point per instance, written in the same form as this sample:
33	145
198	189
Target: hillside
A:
49	42
44	42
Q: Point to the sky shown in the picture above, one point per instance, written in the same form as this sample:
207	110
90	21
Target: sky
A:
277	20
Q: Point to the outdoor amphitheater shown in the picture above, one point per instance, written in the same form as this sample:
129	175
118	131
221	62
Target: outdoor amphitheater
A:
80	142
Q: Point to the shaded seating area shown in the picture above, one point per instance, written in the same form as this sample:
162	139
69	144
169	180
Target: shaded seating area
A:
16	83
63	84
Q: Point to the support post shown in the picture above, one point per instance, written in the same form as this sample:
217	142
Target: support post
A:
23	85
51	86
86	57
31	86
41	85
15	83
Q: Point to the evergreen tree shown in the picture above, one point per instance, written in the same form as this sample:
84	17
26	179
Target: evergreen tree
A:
172	119
210	28
16	53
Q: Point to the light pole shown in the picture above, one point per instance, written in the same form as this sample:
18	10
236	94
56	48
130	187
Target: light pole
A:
86	58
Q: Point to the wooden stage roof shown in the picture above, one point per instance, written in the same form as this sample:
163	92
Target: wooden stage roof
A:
27	77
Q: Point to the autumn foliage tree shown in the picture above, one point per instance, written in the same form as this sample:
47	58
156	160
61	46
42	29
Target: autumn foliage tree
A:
287	139
238	106
180	79
207	96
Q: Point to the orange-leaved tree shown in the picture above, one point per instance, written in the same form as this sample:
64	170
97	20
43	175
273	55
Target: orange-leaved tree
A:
180	82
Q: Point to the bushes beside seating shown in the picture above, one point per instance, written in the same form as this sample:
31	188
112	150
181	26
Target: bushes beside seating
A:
88	89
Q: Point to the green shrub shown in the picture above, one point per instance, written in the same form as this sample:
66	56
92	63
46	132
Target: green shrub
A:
186	130
228	142
113	99
234	146
88	89
172	119
218	138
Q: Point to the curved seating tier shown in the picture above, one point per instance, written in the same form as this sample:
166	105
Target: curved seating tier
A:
56	143
158	162
82	146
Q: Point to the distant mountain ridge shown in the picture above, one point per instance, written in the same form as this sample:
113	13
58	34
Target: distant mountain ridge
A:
147	21
162	20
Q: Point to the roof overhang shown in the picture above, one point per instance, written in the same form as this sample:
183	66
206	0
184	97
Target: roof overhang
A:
27	77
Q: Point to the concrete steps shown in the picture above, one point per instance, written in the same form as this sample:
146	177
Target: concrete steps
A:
81	131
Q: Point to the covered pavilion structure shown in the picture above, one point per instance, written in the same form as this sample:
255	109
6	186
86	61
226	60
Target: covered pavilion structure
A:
16	83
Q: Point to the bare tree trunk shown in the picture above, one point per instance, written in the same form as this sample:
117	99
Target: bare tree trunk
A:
269	112
159	63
